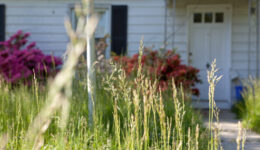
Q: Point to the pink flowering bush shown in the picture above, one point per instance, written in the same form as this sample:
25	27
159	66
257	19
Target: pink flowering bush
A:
164	68
19	60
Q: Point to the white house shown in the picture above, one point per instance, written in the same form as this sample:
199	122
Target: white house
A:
201	30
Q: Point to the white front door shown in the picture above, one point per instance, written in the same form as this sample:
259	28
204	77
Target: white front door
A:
209	39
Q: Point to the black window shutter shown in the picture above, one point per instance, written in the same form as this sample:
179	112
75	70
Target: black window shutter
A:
119	29
2	22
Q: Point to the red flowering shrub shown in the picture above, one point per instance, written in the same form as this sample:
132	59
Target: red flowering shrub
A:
19	61
163	67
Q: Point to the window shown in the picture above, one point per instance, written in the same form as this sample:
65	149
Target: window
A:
103	24
102	30
197	17
219	17
208	17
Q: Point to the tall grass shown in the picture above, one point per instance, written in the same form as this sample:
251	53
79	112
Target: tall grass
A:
214	126
144	117
128	113
250	107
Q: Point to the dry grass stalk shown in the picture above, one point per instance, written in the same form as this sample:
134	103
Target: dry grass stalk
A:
213	79
243	139
3	141
179	115
147	109
117	125
189	139
241	136
197	137
238	140
169	127
136	118
60	89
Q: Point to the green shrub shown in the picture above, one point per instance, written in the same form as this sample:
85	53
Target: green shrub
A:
251	111
164	67
239	109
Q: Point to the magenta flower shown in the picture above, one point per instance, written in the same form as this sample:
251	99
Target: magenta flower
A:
18	62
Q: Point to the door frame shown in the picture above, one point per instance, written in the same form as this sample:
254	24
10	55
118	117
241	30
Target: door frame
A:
228	7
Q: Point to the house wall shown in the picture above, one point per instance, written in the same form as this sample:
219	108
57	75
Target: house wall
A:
145	18
44	19
239	40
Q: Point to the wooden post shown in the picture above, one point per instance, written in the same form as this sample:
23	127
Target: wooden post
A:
90	61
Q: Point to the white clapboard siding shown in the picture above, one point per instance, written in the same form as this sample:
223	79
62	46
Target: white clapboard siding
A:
179	33
140	20
156	11
240	42
34	20
46	19
147	20
43	19
242	56
144	20
52	29
240	37
36	11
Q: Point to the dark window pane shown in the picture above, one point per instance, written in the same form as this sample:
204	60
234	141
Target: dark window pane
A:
197	18
219	17
253	11
208	17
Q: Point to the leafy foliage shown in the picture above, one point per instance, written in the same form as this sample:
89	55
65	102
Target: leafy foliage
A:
249	109
19	60
164	67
